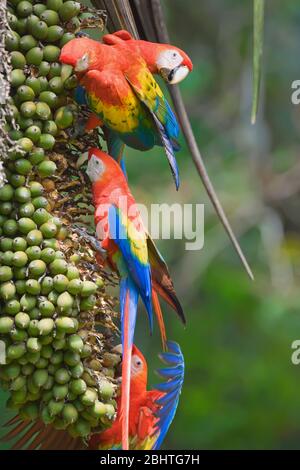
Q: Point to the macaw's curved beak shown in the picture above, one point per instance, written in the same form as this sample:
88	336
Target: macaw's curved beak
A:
175	75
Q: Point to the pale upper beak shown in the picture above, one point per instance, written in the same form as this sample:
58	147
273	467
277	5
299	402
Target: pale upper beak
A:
176	75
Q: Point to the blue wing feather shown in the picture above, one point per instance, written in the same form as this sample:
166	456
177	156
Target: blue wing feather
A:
172	389
139	272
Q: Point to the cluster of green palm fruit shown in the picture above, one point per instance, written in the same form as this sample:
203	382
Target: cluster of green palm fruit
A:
51	368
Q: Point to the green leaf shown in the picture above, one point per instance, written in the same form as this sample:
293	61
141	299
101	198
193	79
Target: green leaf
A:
258	33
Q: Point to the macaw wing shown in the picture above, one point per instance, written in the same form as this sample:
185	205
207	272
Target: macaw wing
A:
171	388
34	435
161	278
110	96
132	243
149	92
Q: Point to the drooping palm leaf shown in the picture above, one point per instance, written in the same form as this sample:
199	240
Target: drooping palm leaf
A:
258	39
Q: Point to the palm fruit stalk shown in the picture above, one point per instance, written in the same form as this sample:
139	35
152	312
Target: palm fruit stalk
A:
56	318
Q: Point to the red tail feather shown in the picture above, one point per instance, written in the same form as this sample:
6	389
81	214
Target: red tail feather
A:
126	369
160	319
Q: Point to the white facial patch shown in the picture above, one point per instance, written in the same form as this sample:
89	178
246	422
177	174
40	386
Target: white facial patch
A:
169	59
82	64
136	365
95	168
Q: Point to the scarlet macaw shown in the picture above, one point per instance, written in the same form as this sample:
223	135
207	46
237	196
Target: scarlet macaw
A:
122	92
151	412
120	228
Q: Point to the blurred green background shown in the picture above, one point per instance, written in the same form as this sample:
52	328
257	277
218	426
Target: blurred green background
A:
241	390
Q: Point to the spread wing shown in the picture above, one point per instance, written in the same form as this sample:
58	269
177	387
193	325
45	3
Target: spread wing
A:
173	373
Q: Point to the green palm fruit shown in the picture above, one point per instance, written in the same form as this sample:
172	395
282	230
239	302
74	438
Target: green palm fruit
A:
46	308
71	358
27	302
77	370
68	10
26	210
75	343
15	351
38	8
78	386
55	407
69	413
54	4
40	216
60	391
45	326
50	17
98	409
106	389
19	259
6	324
42	111
27	369
47	282
22	320
7	291
24	8
40	377
18	60
40	201
50	127
34	56
27	42
28	109
33	328
25	225
51	53
88	288
33	287
55	33
47	167
17	77
33	345
33	252
64	117
12	307
89	397
12	41
6	273
74	287
37	268
19	244
34	238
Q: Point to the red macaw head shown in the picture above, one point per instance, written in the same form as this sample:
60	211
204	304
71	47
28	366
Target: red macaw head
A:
172	63
81	53
101	165
139	369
